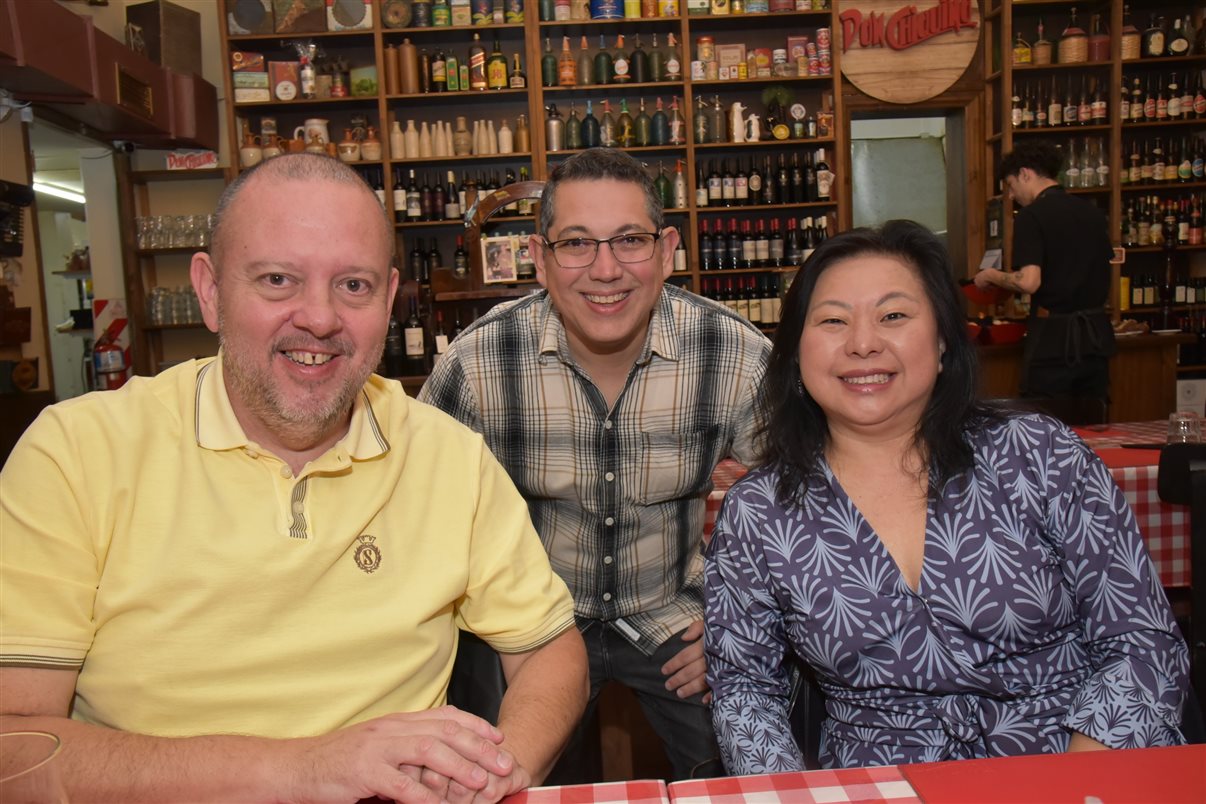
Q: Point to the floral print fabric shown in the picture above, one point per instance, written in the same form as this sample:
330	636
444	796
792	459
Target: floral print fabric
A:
1038	612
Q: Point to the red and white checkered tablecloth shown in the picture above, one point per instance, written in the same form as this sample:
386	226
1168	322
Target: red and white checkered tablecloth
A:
643	791
881	784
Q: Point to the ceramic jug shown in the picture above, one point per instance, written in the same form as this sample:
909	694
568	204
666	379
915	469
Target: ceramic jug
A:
349	149
273	146
370	147
250	152
316	145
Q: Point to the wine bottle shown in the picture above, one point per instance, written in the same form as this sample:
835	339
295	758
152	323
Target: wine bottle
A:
414	338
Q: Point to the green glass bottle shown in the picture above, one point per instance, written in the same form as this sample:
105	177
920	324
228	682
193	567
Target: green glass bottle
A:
643	127
590	128
665	189
573	129
603	66
607	128
625	135
657	63
660	126
548	65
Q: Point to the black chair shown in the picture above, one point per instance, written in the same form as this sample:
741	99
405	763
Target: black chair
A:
1074	411
806	711
1182	480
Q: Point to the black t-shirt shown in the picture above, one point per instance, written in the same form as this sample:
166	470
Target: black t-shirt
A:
1068	238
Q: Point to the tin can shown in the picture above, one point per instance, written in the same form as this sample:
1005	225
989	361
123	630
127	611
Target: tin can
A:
483	12
606	9
779	56
823	38
780	6
711	71
667	8
697	70
705	49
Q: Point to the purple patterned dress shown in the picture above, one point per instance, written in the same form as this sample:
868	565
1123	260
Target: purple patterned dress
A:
1038	612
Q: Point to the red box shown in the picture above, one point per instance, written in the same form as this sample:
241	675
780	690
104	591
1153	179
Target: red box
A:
283	79
244	61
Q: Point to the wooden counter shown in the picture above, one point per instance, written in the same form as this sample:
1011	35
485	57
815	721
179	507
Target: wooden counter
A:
1143	375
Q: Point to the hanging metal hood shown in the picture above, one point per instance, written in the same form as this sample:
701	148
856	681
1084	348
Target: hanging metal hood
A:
58	60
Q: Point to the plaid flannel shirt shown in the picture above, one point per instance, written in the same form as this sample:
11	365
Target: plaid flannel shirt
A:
617	495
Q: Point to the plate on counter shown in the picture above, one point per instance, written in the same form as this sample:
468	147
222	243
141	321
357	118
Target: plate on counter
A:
1166	332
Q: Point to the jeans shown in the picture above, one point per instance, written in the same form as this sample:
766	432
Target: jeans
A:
684	725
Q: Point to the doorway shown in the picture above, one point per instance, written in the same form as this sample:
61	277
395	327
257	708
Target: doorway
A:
913	164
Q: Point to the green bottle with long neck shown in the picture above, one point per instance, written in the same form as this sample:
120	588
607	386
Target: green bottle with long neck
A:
625	135
643	127
603	66
590	128
607	128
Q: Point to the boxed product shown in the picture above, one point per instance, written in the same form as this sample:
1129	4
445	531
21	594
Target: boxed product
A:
462	14
242	60
797	46
283	77
349	15
730	55
249	17
251	95
243	80
363	81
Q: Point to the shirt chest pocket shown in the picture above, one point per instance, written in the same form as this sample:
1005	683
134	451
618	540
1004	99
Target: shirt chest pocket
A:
677	465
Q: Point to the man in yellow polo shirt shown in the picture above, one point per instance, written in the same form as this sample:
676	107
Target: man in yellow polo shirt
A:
243	578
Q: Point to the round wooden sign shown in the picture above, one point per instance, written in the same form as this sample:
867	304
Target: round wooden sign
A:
902	52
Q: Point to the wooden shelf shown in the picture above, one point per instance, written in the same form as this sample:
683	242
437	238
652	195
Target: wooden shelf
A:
487	293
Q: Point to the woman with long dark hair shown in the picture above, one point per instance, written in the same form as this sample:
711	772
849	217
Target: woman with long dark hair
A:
963	582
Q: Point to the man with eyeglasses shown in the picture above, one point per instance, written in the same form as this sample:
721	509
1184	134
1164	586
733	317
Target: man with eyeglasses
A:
610	397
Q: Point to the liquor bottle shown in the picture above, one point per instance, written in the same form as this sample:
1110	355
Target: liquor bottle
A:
742	301
434	259
1199	95
586	65
715	186
793	248
663	188
776	245
1099	42
798	192
1161	99
416	259
1041	110
824	177
1040	52
1055	107
460	259
1178	40
741	186
567	67
524	205
1015	109
680	186
728	186
761	245
1174	97
1098	107
657	62
607	127
619	62
1073	45
573	129
518	79
414	206
452	200
1131	40
395	352
732	246
1084	109
590	128
1158	162
414	339
477	63
638	63
718	122
680	253
756	183
439	72
1071	108
604	70
754	298
399	197
707	248
783	183
427	207
1027	108
548	65
1136	100
439	338
625	136
748	247
659	125
379	186
523	137
1154	38
642	126
808	239
701	186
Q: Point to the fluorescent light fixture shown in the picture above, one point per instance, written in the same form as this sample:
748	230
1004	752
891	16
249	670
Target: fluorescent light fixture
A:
58	192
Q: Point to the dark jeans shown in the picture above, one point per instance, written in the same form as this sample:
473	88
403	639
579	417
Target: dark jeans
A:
684	725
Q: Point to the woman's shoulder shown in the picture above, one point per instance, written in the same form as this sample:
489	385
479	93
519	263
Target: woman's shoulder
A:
1025	437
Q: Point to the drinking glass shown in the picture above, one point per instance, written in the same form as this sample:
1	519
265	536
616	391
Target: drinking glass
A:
1184	428
29	770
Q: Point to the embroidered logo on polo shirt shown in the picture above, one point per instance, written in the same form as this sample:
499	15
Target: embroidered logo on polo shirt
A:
367	555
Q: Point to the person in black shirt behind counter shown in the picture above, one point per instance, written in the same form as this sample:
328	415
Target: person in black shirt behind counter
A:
1061	256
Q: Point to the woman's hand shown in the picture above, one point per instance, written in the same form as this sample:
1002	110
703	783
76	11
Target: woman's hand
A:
1083	742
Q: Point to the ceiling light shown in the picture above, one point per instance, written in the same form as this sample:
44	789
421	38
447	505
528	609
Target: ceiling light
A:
58	192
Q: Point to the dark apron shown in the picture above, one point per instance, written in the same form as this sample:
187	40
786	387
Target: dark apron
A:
1066	339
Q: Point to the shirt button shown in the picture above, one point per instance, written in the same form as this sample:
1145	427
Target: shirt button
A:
609	521
607	559
606	596
607	424
286	472
610	476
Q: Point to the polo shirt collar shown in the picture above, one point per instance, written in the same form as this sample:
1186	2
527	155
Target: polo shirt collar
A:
217	428
660	339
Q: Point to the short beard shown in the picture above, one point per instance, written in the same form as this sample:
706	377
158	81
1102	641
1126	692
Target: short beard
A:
297	425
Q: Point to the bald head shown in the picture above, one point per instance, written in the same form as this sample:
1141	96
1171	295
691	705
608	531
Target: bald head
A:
282	169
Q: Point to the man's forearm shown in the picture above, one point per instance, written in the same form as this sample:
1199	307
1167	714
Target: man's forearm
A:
544	701
100	764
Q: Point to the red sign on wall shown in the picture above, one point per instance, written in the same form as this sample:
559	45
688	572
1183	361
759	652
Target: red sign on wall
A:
906	27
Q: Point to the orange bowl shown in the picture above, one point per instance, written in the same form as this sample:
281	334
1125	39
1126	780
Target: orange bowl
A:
982	297
1004	332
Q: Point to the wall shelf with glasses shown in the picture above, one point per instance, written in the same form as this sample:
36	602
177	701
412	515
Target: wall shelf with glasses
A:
166	220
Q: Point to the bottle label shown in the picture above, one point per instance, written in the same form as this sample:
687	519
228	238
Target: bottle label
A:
620	67
496	77
755	183
441	344
824	182
414	341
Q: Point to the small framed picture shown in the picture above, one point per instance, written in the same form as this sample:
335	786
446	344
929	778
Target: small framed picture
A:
498	259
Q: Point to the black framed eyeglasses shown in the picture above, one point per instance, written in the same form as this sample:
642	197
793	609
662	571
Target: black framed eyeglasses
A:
579	252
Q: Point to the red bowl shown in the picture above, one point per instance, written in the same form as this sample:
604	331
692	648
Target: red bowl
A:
1004	332
973	330
985	298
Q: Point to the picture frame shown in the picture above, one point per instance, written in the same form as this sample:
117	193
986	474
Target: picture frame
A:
498	259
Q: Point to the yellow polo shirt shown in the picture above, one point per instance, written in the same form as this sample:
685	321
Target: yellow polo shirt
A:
200	587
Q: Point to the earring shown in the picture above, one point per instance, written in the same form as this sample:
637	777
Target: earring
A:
799	387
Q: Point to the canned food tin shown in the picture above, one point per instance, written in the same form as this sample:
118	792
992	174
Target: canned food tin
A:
697	70
705	49
711	71
779	56
823	38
